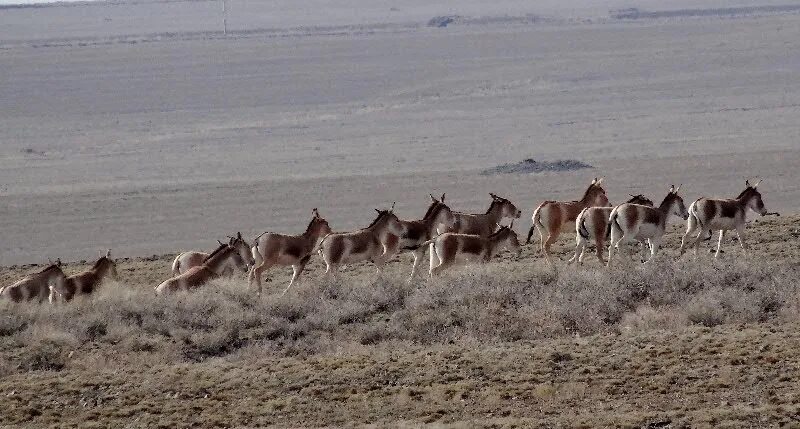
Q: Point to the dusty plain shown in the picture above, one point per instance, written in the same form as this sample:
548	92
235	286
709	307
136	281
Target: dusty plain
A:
139	126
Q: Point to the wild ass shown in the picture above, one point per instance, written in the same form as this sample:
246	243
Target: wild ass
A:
634	221
224	258
707	215
415	232
452	248
367	244
592	223
271	249
86	282
552	217
35	286
186	260
483	224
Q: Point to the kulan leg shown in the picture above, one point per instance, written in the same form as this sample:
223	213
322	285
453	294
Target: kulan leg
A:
600	244
654	244
256	273
549	242
691	227
434	258
740	236
580	247
617	235
719	242
418	255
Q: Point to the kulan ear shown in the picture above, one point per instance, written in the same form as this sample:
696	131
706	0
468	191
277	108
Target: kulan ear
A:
599	181
594	181
746	183
391	209
442	200
433	199
678	188
756	185
511	225
239	235
108	253
672	189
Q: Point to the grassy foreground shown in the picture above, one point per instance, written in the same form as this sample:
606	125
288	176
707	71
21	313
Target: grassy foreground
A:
680	343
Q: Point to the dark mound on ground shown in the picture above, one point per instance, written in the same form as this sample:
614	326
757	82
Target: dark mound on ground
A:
530	165
442	21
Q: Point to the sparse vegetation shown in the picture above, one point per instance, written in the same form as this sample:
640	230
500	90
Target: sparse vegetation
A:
480	336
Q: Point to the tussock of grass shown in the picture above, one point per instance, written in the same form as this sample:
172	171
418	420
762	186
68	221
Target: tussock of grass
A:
493	303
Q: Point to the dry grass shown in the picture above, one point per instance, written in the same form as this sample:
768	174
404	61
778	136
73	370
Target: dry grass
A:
509	343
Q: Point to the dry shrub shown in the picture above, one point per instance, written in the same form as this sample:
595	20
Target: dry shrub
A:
504	301
647	318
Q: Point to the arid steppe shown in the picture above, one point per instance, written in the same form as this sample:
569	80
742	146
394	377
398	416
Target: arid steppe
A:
139	126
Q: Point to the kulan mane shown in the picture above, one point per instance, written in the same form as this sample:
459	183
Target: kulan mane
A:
432	209
494	203
48	268
218	250
591	190
99	263
381	215
747	190
310	224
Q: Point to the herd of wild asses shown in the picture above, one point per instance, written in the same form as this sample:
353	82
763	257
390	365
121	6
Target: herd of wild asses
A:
453	237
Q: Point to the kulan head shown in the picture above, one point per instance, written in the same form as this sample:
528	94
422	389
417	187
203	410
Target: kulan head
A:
509	239
443	216
106	263
507	208
242	248
389	220
676	204
595	195
752	198
318	226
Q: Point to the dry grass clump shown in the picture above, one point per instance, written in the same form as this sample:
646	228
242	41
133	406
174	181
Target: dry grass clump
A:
499	302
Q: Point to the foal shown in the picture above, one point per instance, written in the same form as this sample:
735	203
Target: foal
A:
483	224
224	258
186	260
707	215
634	221
452	248
35	286
367	244
271	249
592	223
86	282
552	217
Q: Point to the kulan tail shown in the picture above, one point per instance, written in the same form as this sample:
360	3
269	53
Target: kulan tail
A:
537	220
257	257
612	222
582	225
176	264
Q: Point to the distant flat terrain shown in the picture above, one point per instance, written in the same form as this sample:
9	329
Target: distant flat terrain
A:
150	140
